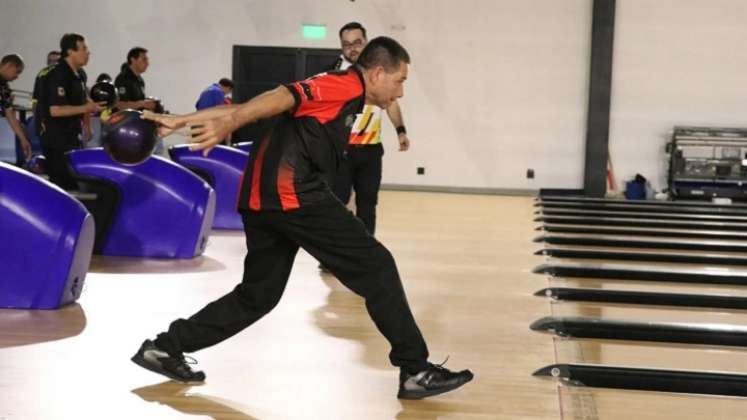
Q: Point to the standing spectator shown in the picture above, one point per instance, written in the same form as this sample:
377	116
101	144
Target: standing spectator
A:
215	94
130	84
361	169
11	66
53	57
63	108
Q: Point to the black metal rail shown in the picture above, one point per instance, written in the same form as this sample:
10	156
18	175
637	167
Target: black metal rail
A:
629	297
659	332
643	215
676	244
701	204
650	223
633	206
679	381
652	232
621	272
642	256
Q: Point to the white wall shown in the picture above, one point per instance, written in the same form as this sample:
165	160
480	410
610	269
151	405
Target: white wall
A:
496	86
675	63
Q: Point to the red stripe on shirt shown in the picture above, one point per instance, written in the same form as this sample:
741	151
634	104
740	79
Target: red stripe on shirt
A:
286	189
254	197
329	93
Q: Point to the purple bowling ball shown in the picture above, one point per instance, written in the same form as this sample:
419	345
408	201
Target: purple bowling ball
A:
127	138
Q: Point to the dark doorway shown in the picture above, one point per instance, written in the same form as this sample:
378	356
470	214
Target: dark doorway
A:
259	69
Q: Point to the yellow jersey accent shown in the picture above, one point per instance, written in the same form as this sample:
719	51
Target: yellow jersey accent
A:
367	126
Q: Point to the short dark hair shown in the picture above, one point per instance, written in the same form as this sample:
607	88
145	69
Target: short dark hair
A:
13	59
226	82
70	42
135	53
383	51
55	52
352	26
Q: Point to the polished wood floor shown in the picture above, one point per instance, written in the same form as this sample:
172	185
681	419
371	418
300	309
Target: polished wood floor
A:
465	261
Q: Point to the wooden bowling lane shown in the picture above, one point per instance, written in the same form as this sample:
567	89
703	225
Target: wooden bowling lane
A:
695	253
317	355
580	403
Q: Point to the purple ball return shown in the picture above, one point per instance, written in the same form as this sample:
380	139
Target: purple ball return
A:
47	240
222	168
164	211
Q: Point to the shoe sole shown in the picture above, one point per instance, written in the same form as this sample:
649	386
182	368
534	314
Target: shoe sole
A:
140	361
419	395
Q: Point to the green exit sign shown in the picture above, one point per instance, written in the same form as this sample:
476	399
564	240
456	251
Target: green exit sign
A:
314	31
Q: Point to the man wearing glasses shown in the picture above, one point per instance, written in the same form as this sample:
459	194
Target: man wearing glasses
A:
361	169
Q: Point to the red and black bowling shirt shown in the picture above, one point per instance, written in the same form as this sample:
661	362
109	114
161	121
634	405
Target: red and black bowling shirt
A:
291	166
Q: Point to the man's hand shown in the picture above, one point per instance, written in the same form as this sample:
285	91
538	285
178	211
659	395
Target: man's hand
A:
404	142
94	107
167	123
207	133
89	134
148	104
26	147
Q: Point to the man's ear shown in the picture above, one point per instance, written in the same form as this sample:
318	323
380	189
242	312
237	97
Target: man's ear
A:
377	74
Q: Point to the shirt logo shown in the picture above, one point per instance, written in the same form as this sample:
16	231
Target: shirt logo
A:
121	90
307	91
61	91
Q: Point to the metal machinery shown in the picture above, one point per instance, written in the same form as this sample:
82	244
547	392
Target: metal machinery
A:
707	162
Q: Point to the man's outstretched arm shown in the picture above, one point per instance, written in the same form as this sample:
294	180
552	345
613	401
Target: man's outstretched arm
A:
210	126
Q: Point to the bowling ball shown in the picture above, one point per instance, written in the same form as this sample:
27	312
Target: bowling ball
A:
127	138
104	92
36	164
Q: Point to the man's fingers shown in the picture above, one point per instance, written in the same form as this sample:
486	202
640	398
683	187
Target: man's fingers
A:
196	130
148	115
200	146
165	131
202	138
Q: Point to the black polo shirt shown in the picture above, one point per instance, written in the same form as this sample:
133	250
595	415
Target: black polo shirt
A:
63	87
38	99
130	87
294	162
6	97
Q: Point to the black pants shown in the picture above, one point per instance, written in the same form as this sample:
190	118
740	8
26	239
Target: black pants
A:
57	164
361	171
338	240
